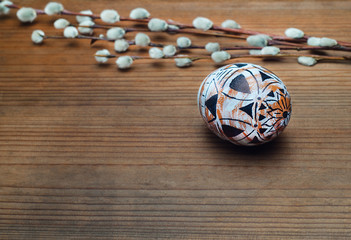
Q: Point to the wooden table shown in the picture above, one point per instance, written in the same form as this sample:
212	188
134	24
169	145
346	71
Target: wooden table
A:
91	152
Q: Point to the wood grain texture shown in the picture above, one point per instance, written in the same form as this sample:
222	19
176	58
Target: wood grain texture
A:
90	152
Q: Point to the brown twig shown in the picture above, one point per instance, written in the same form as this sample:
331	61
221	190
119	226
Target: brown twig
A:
235	56
282	55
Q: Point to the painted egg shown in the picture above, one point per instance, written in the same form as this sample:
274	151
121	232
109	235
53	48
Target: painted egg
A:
245	104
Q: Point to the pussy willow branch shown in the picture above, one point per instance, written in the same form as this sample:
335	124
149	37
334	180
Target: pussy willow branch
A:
278	56
234	56
282	55
291	46
336	48
168	31
146	57
276	39
94	16
94	39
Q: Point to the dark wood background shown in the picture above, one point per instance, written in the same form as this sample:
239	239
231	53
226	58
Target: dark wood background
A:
91	152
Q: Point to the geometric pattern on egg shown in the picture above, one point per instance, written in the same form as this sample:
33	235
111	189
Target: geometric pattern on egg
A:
245	104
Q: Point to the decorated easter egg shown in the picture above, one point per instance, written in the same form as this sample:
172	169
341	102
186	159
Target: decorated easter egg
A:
245	104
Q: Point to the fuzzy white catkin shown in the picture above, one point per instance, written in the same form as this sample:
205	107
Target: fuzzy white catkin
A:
157	25
115	33
109	16
121	45
183	62
183	42
255	52
169	50
212	47
26	14
4	10
38	36
307	61
314	41
173	27
155	53
53	8
220	56
328	42
100	59
139	13
61	23
265	36
86	30
230	24
294	33
142	39
124	62
270	50
202	23
70	32
259	40
84	18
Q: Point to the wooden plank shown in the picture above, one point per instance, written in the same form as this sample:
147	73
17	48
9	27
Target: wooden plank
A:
91	152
